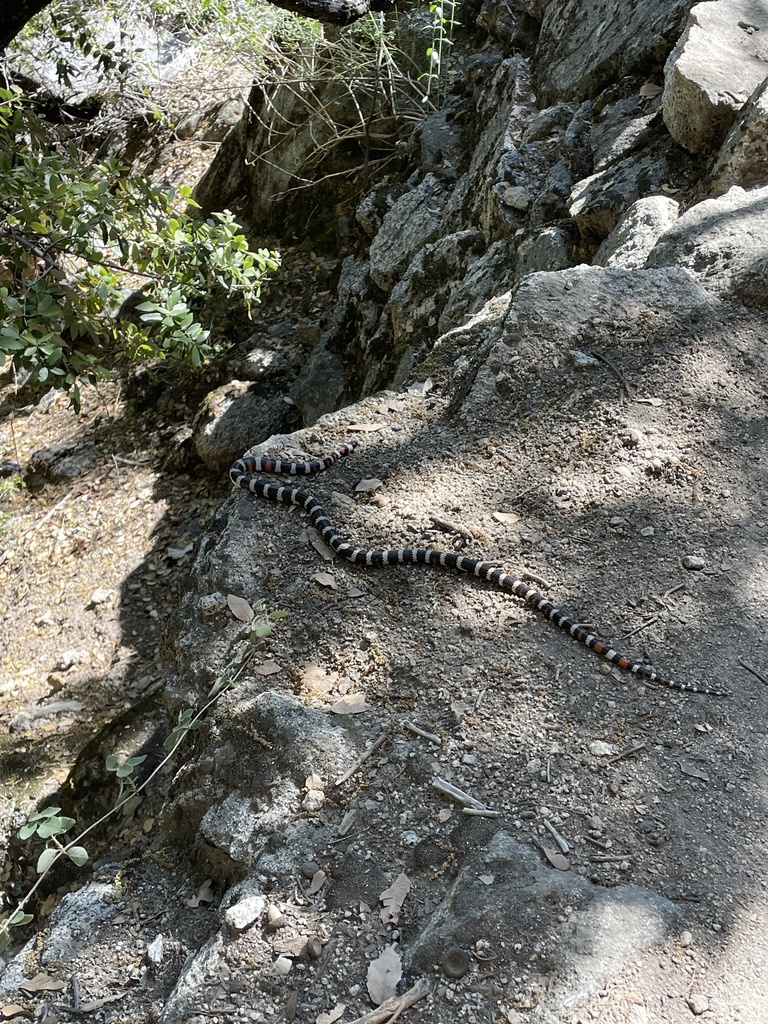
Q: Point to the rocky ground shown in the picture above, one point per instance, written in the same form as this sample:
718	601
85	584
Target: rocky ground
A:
415	794
631	491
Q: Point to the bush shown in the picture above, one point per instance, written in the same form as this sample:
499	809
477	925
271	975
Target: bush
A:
75	238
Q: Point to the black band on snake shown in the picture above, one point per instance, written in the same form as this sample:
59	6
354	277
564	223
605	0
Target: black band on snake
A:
243	473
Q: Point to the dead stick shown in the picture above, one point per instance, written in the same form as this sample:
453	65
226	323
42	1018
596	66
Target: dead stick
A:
391	1009
626	753
362	759
755	673
450	527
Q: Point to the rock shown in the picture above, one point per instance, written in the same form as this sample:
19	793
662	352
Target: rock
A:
260	364
550	249
697	1004
714	68
525	907
598	201
320	385
636	232
413	221
61	462
619	127
694	562
577	55
234	418
743	157
244	914
501	108
442	141
419	298
723	242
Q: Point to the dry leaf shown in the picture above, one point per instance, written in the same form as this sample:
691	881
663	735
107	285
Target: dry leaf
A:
370	484
176	554
366	428
314	782
655	402
317	542
324	579
508	518
318	680
332	1015
687	768
204	895
649	89
269	668
355	592
384	975
10	1010
240	608
393	899
43	983
317	883
351	704
556	859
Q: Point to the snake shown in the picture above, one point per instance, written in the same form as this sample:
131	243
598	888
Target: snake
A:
248	473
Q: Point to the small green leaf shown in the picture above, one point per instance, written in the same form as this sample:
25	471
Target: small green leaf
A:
78	855
19	918
46	858
131	804
27	830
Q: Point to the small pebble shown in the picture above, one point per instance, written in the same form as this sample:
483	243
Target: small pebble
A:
693	562
647	531
697	1004
282	965
686	939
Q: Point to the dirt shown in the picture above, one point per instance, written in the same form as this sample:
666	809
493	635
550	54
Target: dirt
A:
599	499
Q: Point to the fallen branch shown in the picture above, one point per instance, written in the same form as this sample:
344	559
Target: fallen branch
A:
391	1009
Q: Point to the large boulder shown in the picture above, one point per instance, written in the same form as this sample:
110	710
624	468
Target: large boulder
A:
717	64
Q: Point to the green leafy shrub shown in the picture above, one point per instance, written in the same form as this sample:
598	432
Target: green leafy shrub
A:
75	238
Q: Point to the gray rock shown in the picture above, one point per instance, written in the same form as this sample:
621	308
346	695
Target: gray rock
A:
597	202
502	106
235	417
320	385
743	157
619	127
584	43
548	250
582	933
711	73
412	223
636	232
244	914
419	298
723	242
61	462
259	364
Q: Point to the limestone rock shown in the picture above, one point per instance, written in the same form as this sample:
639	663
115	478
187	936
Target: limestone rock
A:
619	127
412	223
598	201
743	157
550	249
717	64
584	43
420	296
636	233
723	242
320	385
235	417
582	932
